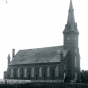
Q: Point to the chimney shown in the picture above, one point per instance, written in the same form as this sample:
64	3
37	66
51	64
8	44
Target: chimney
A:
13	53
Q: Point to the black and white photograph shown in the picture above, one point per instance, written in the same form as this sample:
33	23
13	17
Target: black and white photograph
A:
43	43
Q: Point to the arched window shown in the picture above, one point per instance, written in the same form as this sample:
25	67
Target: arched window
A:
75	61
40	72
18	72
48	71
25	72
32	72
12	72
56	71
64	74
64	70
75	75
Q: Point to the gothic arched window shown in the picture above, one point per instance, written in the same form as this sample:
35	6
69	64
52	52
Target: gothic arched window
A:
25	72
56	71
48	71
40	72
32	72
11	72
64	70
18	72
75	61
75	75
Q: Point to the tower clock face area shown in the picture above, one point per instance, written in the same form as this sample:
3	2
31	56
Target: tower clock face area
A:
74	38
70	39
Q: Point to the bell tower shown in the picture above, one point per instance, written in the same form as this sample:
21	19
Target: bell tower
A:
71	34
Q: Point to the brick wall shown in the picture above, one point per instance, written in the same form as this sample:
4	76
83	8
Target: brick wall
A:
36	72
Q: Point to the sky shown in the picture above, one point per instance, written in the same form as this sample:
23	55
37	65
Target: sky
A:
26	24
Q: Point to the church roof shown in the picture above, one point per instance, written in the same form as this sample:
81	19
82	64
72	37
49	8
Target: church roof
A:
38	55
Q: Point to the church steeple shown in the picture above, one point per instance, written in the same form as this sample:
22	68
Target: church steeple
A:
71	19
71	32
71	26
71	5
71	37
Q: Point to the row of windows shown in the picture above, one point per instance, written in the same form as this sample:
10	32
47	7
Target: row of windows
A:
33	72
38	54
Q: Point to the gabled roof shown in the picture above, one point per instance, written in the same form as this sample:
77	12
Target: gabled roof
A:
38	55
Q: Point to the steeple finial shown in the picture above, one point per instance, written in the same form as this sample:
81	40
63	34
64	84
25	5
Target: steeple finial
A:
71	5
71	19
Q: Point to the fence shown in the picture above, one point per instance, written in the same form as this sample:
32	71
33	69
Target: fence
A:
44	85
29	84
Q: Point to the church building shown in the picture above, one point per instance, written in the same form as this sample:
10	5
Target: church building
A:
50	63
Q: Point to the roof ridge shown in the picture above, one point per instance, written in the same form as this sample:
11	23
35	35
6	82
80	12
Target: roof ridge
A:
40	48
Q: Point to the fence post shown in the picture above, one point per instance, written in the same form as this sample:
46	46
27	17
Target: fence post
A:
5	83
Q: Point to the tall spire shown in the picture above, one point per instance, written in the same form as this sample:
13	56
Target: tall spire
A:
71	25
71	19
71	5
